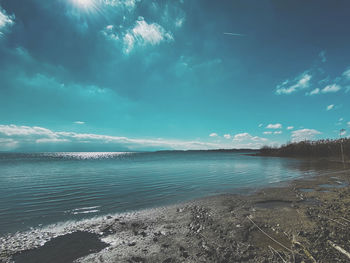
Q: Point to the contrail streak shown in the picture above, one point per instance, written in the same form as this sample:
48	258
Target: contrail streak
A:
233	34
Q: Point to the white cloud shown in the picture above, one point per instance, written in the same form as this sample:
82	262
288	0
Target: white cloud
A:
260	125
277	132
227	136
5	21
342	132
213	134
245	140
314	92
79	122
331	89
348	123
304	134
140	35
145	34
242	136
258	139
330	107
267	132
300	82
246	136
290	127
13	136
14	130
341	119
274	126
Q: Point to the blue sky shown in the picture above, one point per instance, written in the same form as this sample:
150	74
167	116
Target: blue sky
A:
114	75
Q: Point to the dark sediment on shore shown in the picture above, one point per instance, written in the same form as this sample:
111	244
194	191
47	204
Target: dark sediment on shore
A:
62	249
305	221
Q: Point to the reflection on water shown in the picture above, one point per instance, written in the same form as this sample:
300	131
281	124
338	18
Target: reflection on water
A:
44	188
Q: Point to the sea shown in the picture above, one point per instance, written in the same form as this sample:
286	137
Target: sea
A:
39	189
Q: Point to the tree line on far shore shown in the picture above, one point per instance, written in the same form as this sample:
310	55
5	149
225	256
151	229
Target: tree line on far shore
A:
319	148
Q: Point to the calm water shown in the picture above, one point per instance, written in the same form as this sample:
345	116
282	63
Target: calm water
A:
45	188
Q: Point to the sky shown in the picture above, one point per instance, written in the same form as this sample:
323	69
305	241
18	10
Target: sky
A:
134	75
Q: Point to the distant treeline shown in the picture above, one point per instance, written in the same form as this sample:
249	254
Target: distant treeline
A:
319	148
213	150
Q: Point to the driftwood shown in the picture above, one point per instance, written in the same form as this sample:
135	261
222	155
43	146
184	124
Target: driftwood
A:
340	249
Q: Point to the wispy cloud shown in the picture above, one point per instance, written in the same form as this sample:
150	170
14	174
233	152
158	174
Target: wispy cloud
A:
290	127
274	126
288	87
127	4
330	107
322	56
331	88
179	21
5	21
267	132
346	74
304	134
277	132
79	122
314	92
214	134
234	34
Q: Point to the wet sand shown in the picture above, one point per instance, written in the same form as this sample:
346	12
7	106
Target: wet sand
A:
306	220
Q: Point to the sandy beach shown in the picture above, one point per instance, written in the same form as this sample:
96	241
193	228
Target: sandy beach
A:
305	220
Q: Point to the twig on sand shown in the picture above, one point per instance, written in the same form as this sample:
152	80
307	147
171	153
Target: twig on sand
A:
337	222
333	220
345	219
275	251
306	252
340	249
279	243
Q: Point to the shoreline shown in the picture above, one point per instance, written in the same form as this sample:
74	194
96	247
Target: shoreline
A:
305	216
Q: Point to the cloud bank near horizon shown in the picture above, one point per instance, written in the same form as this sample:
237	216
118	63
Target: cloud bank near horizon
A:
34	138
